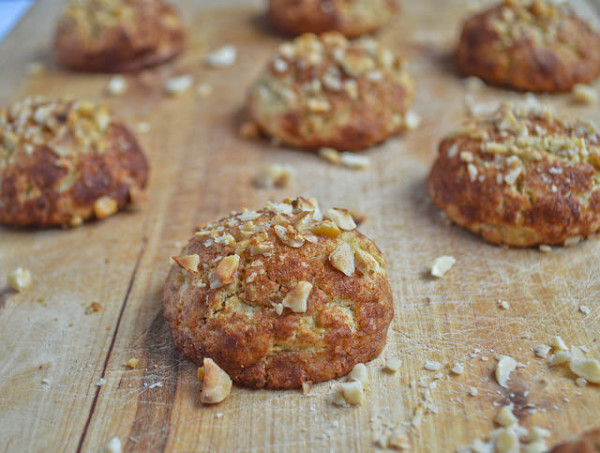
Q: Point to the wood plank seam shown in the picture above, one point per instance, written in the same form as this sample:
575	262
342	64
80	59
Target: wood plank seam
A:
113	340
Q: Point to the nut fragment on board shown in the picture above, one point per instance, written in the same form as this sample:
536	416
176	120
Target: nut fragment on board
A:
177	85
588	369
585	94
222	58
117	86
542	350
431	365
20	279
359	373
105	206
352	392
441	265
216	385
346	159
273	175
506	365
113	446
393	365
505	417
458	369
132	363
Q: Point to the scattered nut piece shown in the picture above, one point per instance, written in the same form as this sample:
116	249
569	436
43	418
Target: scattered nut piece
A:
441	265
542	350
143	127
558	343
354	161
117	86
94	307
273	175
326	228
342	258
250	131
177	85
570	242
458	368
105	206
223	57
545	248
560	357
352	391
584	94
585	309
581	382
188	262
393	365
398	440
506	365
20	279
506	441
227	268
330	155
473	391
114	446
216	385
503	305
505	417
289	236
589	369
36	69
342	218
307	387
297	298
412	120
431	365
359	373
132	363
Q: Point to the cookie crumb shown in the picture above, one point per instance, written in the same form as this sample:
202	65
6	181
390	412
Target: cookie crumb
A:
273	175
584	94
20	279
117	86
132	363
441	265
177	85
94	307
223	57
216	384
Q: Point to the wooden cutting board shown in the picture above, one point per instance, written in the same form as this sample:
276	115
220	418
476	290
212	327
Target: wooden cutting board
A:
54	351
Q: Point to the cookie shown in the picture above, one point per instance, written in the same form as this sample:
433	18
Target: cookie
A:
330	92
352	18
280	296
117	35
529	45
588	442
520	176
64	162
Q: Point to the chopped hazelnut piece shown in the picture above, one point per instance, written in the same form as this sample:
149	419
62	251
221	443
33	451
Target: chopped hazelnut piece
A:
306	387
359	373
227	268
342	218
326	228
412	120
354	161
505	417
458	368
393	365
20	279
585	94
273	175
132	363
289	236
398	440
297	298
262	248
352	392
542	350
216	385
560	357
441	265
188	262
506	365
342	259
365	262
431	365
506	440
105	206
177	85
114	446
117	86
588	369
330	155
544	248
223	57
558	343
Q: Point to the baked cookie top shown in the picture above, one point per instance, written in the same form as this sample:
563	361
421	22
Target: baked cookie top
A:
280	296
328	91
352	18
117	35
60	157
530	45
520	176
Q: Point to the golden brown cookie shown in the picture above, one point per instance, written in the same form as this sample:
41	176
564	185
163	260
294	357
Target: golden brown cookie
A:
331	92
529	45
64	162
520	176
280	296
587	443
117	35
352	18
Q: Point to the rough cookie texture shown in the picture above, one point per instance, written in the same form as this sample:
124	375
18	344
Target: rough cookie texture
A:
587	443
352	18
63	162
331	92
279	313
529	45
520	176
117	35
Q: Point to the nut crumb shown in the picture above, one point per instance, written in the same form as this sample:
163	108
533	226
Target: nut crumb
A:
273	175
342	258
352	392
105	206
503	305
222	58
297	298
545	248
204	90
177	85
458	368
354	161
94	307
432	365
330	155
584	94
188	262
393	365
505	417
588	369
307	387
216	384
359	373
117	86
506	365
114	446
20	279
542	350
412	120
585	309
441	265
132	363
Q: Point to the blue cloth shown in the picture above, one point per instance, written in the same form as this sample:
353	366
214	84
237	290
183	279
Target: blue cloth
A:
10	13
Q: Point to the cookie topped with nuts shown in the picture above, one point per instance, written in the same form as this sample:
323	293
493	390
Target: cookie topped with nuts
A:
330	92
520	176
529	45
117	35
64	162
281	296
352	18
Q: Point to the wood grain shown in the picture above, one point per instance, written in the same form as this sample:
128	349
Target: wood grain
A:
201	169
